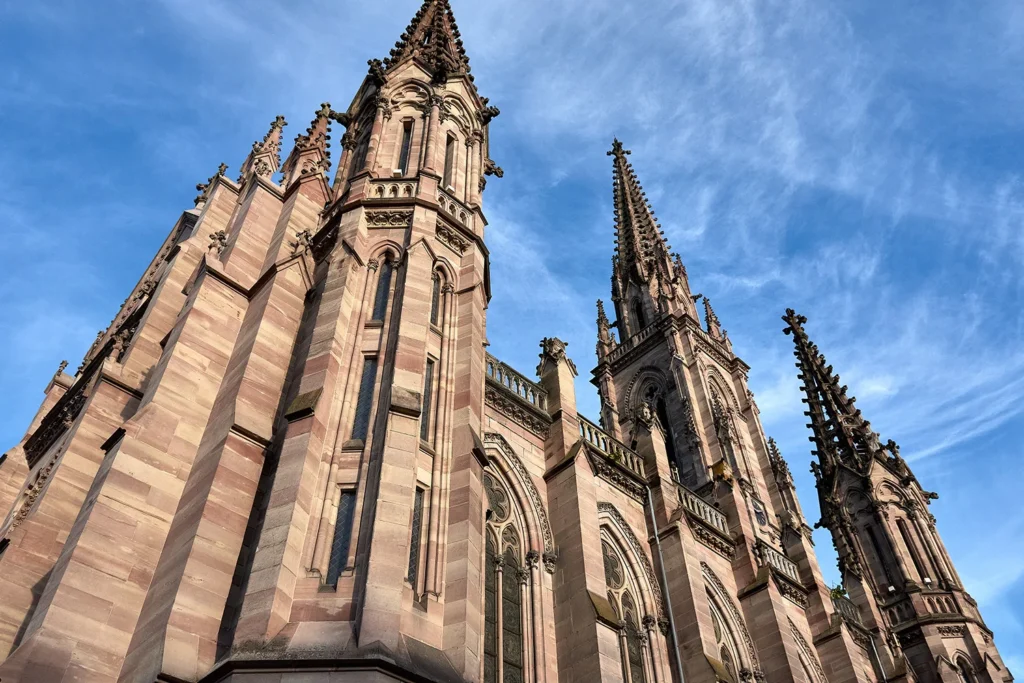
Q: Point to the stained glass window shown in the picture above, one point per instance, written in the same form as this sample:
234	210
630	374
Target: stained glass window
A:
380	301
428	395
342	536
414	541
491	613
403	159
511	621
435	300
361	422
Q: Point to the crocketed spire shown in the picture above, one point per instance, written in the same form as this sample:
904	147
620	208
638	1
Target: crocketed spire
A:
432	38
605	340
311	153
841	434
265	157
204	188
640	245
714	325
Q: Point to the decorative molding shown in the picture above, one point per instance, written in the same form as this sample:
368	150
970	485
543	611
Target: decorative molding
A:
450	237
710	539
634	544
952	631
526	481
723	595
616	476
791	591
389	219
511	408
807	652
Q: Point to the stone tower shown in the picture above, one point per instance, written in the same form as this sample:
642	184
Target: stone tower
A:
282	423
735	544
893	562
290	458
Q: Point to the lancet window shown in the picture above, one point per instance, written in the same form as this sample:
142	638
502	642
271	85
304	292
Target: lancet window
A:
507	587
624	597
725	641
383	294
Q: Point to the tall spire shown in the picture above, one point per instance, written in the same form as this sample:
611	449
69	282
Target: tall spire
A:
640	245
265	157
605	340
311	153
711	320
841	434
433	39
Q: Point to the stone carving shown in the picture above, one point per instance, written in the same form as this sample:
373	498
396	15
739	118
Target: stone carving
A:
516	465
550	558
712	540
554	348
723	595
303	242
218	241
808	652
450	238
510	408
623	527
791	592
491	168
952	631
389	219
617	478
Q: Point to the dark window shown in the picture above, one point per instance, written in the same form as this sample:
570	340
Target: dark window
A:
428	394
911	548
634	652
361	423
342	536
359	160
511	621
449	160
435	300
414	541
638	316
380	301
491	613
403	158
670	442
883	560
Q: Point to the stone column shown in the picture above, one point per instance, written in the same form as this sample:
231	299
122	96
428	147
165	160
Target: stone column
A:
433	124
383	111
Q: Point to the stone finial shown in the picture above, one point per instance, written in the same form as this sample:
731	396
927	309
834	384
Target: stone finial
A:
218	241
204	188
711	321
265	157
553	350
311	154
779	465
605	337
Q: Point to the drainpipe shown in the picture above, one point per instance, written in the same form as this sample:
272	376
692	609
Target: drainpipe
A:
664	587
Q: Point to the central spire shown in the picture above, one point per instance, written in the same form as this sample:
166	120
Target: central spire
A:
432	38
640	244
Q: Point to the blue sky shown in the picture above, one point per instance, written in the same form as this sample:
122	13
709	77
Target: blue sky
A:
857	160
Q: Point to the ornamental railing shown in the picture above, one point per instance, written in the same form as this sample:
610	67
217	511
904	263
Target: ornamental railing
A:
703	510
631	343
611	447
512	381
767	555
846	609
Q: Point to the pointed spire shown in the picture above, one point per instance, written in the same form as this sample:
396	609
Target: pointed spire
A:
714	325
311	153
779	465
204	188
265	157
640	244
841	434
433	39
605	339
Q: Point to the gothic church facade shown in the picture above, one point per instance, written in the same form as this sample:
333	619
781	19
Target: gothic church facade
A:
290	458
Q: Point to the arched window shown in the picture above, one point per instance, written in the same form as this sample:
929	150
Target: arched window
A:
621	589
435	299
728	653
505	583
963	670
639	321
380	300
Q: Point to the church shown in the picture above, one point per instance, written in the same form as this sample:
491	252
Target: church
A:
291	459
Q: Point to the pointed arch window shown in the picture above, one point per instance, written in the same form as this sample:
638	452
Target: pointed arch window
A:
435	299
963	670
506	584
621	590
380	300
725	641
449	160
639	320
406	149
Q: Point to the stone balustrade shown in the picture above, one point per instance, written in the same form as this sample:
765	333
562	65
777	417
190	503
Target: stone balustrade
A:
454	209
767	555
388	188
514	382
611	447
703	510
846	609
631	343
